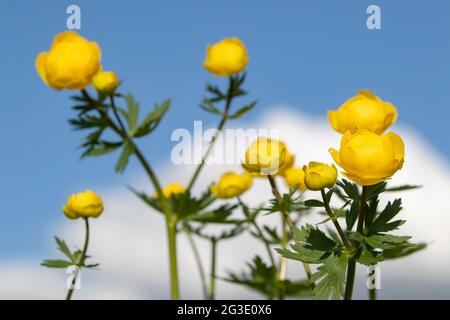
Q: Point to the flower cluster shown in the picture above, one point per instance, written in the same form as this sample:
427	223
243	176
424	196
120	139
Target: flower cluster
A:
367	155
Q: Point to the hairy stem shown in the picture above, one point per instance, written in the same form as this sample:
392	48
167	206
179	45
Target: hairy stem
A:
80	263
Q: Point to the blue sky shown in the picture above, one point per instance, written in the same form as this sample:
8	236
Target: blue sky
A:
311	55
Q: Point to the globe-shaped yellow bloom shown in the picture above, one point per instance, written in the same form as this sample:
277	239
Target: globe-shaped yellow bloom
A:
171	189
231	185
288	162
265	157
319	176
105	81
84	204
295	178
71	62
226	57
368	158
363	111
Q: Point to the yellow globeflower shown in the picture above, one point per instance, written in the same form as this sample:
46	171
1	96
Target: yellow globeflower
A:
84	204
363	111
232	185
105	81
265	156
319	176
71	62
295	178
288	162
226	57
171	189
368	158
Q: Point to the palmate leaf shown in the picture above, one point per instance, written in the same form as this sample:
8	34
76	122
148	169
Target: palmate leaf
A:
330	278
311	245
350	189
383	223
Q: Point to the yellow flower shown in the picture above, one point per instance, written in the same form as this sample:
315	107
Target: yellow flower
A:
232	185
71	62
84	204
368	158
295	178
319	176
265	156
363	111
105	81
288	162
226	57
171	189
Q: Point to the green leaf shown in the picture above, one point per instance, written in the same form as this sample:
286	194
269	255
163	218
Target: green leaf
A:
368	257
375	190
385	241
152	120
128	149
382	222
133	112
62	246
402	188
330	278
210	107
311	245
350	189
403	250
313	203
352	214
102	148
56	263
243	111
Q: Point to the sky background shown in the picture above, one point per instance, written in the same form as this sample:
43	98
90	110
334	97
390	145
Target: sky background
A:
311	55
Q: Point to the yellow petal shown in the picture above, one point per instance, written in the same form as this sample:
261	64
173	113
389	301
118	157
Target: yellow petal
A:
40	66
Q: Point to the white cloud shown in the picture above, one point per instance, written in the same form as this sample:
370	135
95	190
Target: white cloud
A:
130	242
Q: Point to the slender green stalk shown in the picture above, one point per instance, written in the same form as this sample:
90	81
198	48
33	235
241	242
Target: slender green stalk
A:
212	285
170	220
259	232
263	238
198	262
334	220
351	268
219	129
80	263
286	220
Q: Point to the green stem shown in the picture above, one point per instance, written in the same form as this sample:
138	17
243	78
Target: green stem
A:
259	232
80	263
334	220
170	220
212	285
198	261
351	268
219	129
373	294
286	220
